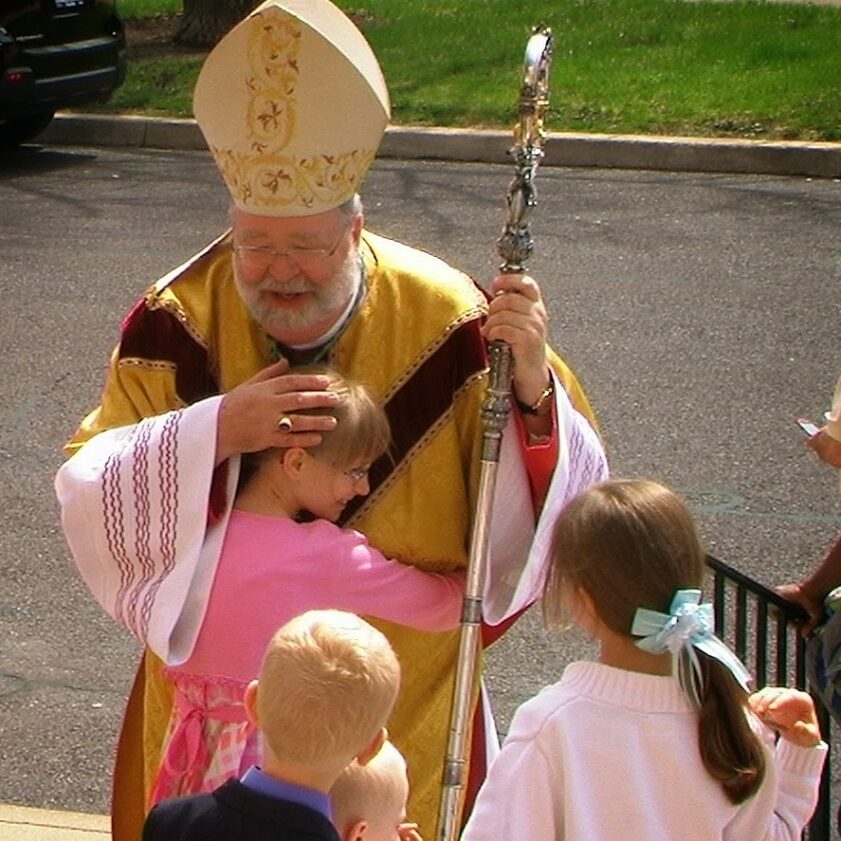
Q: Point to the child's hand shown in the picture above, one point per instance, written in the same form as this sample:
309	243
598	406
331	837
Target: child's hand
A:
789	711
409	832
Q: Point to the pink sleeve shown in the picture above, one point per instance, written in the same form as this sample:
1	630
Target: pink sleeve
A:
374	585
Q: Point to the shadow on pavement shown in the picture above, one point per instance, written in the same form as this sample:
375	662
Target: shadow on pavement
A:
32	157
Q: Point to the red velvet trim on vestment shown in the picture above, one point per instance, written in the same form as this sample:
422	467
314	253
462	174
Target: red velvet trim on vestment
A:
157	335
218	494
421	401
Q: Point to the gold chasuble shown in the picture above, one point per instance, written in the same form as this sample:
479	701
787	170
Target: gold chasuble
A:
414	341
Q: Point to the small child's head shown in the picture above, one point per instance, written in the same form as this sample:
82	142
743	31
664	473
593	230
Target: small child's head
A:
369	801
326	688
361	434
345	453
627	543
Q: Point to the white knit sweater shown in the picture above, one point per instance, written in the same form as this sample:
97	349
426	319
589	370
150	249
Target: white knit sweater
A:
606	754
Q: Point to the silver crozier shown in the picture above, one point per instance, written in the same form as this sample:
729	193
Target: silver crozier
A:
514	247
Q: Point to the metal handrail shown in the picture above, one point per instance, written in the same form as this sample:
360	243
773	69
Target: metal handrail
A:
785	617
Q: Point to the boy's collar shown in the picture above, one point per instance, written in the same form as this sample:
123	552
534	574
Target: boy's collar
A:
259	781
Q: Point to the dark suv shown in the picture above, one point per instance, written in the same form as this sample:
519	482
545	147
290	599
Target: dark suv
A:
53	54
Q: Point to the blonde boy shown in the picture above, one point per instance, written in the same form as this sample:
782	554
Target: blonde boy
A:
369	801
327	685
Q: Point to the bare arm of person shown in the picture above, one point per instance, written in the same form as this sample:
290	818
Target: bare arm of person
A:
809	593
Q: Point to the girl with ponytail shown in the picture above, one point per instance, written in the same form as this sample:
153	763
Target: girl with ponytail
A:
659	739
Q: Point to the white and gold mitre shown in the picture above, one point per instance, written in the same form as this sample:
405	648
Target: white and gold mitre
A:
293	105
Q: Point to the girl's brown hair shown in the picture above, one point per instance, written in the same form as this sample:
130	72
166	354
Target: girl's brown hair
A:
632	543
361	434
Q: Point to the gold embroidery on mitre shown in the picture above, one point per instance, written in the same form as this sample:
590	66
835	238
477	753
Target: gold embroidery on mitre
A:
230	164
273	180
271	115
262	175
331	177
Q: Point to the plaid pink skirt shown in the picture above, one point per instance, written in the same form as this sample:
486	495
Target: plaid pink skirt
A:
209	737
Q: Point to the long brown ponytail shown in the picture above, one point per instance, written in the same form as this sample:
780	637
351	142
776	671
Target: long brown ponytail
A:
632	543
730	749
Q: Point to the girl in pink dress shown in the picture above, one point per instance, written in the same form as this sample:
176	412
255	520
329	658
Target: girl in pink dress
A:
273	567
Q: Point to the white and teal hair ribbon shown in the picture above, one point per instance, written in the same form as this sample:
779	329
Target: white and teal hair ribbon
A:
688	625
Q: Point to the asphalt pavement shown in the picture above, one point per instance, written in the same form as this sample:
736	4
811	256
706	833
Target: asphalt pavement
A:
701	311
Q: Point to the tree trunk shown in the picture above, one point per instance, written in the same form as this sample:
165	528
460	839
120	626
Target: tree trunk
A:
204	22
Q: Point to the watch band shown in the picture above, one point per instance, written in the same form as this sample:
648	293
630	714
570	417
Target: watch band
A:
542	404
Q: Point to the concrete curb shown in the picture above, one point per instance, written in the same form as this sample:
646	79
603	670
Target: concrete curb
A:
676	154
21	823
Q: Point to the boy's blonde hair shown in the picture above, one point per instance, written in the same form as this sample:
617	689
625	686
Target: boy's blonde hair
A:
327	685
375	793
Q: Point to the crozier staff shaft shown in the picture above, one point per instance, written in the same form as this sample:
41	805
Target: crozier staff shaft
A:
514	247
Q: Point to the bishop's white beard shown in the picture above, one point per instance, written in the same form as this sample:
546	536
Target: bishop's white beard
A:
330	298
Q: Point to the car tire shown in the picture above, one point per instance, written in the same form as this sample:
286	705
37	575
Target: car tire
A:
17	130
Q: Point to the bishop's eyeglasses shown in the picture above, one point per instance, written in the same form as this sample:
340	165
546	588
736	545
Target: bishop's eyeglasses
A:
259	257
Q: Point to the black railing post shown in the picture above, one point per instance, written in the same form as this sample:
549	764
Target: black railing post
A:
761	659
750	596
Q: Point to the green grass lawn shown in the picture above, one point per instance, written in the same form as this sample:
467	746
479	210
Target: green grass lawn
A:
145	8
159	87
746	69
